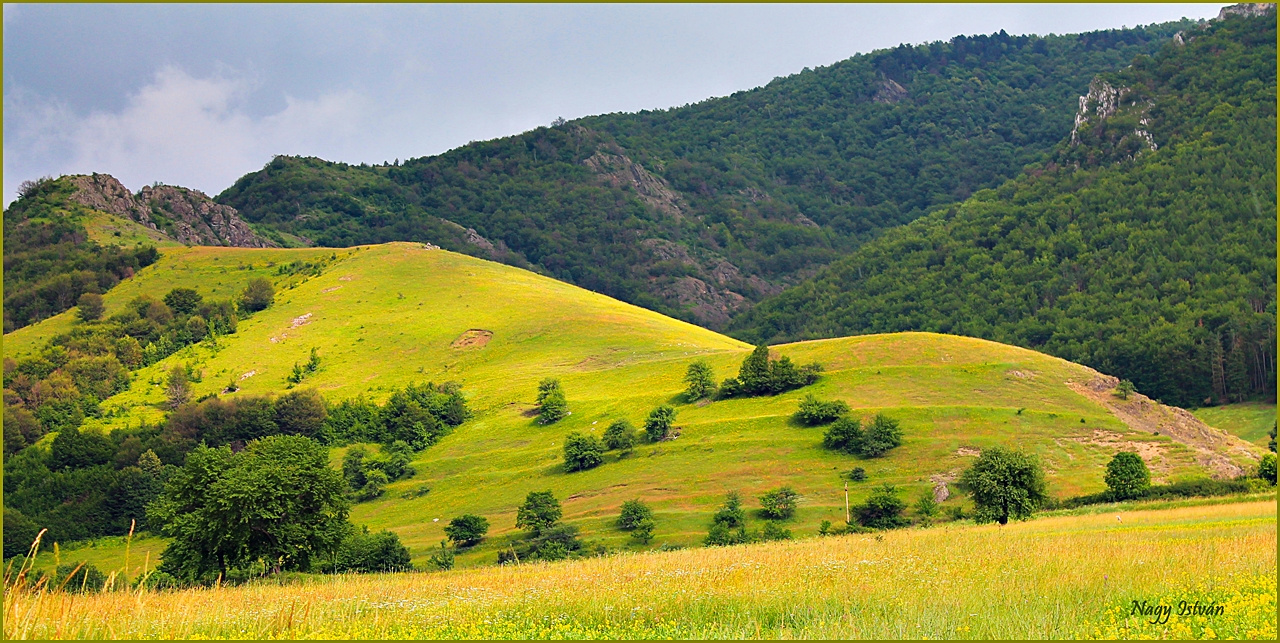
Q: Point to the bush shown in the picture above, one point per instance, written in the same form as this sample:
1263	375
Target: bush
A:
657	426
883	510
844	435
926	508
552	406
642	532
1267	468
375	482
774	531
730	513
620	436
722	534
442	559
759	375
858	474
700	381
258	295
79	577
158	580
183	301
540	511
300	412
582	452
814	412
882	435
467	530
779	504
633	513
1127	476
369	553
1005	484
89	307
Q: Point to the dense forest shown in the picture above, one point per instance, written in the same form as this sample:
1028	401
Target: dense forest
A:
1145	247
698	211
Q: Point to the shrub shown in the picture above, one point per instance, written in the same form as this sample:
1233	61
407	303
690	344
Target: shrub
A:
158	580
183	301
844	435
300	413
620	436
582	452
813	411
79	577
375	482
258	295
1124	389
730	513
1127	476
369	553
633	513
759	375
178	389
89	307
467	530
779	504
540	511
926	508
824	528
882	435
858	474
642	532
774	531
442	559
1267	468
699	380
722	534
1005	484
657	426
883	509
552	406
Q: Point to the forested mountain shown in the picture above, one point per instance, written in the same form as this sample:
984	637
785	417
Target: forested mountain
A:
1145	247
700	210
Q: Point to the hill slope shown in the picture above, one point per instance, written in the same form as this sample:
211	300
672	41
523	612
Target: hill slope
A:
1159	269
700	210
385	316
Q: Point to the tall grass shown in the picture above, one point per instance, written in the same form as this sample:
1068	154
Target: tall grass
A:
1065	576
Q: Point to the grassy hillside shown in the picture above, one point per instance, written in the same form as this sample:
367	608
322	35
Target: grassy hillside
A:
1250	421
947	582
385	316
1146	248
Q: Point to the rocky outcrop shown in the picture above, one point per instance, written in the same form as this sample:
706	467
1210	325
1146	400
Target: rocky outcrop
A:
1103	101
188	216
889	92
619	170
1248	10
711	305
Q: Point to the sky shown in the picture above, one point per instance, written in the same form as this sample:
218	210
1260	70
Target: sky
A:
199	95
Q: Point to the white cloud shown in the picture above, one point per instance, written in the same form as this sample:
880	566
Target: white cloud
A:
178	129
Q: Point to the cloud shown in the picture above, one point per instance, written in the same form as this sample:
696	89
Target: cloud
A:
178	129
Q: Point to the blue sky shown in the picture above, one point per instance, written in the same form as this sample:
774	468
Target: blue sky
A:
198	95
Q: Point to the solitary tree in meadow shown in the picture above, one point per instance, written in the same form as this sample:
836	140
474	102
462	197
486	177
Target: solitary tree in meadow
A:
700	381
1005	484
540	511
552	406
1127	476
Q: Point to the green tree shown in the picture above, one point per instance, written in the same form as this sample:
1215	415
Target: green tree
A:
442	559
89	307
779	504
361	551
657	426
883	509
926	507
844	435
881	435
552	406
76	449
699	381
1127	476
1124	389
183	301
1272	443
375	483
753	375
582	452
540	511
300	412
258	295
730	514
642	533
620	436
1005	484
467	530
277	500
1267	468
633	513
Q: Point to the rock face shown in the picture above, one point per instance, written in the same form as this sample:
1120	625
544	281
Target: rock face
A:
889	92
618	170
1248	10
1103	102
189	216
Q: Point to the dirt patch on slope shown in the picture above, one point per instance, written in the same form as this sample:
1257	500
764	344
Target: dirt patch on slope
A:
302	320
1152	453
474	338
1213	449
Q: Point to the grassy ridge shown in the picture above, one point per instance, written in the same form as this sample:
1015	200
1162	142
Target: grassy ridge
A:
388	315
954	582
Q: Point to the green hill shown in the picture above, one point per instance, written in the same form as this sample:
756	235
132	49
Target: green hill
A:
700	210
1146	248
384	316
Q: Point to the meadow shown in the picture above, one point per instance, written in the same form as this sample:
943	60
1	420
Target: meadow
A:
1069	576
384	316
1251	421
